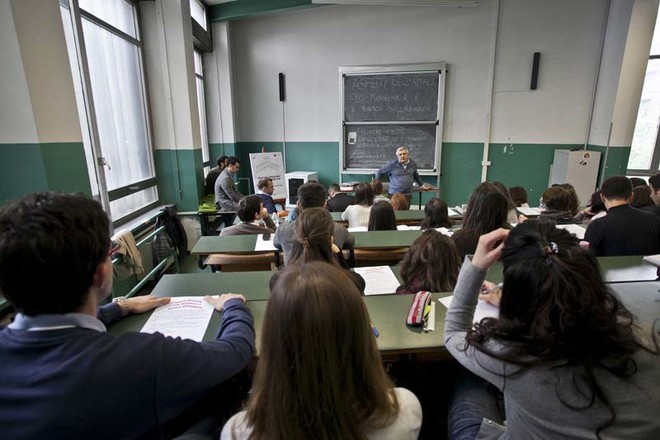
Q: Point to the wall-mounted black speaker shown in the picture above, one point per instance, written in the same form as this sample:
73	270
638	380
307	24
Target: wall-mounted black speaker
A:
535	70
282	93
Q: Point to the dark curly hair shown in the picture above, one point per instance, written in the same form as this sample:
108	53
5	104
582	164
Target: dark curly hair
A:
556	309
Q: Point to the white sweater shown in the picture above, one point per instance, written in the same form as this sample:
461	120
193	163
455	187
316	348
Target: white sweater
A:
357	215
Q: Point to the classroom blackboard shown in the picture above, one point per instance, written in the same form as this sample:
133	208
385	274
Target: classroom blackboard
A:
391	97
371	146
389	106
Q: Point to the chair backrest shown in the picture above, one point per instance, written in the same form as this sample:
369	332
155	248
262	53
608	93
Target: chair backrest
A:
242	263
379	257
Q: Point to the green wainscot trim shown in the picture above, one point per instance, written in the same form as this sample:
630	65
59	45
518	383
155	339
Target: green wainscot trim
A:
34	167
253	8
66	167
180	178
617	161
218	149
320	157
526	165
460	170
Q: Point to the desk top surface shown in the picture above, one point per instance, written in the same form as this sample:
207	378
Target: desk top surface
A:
237	244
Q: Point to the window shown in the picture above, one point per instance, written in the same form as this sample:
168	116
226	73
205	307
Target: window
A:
198	13
645	151
201	105
105	52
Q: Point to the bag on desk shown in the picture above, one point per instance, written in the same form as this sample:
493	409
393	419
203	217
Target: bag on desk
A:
417	312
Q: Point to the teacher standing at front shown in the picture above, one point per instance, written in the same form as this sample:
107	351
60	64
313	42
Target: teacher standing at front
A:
402	172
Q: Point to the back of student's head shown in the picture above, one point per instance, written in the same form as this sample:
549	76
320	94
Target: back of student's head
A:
596	204
334	188
264	183
502	187
432	261
436	214
319	374
399	202
248	208
574	200
381	217
487	209
616	188
313	230
377	186
637	181
641	197
50	247
221	160
518	195
311	195
555	305
557	198
364	194
654	182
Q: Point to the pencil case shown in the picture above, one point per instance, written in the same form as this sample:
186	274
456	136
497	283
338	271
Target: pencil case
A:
418	309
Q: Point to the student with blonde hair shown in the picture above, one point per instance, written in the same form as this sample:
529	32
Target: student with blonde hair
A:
320	375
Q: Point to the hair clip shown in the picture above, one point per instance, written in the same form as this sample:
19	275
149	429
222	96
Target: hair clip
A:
551	248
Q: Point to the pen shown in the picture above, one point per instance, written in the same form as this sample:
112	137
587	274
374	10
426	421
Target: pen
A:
374	330
497	286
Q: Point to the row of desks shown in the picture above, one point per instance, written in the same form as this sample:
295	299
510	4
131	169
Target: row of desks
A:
630	279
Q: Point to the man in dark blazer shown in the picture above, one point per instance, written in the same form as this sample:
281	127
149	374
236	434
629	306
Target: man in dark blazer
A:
338	200
253	216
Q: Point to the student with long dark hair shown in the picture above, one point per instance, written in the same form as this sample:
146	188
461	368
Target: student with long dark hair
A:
382	217
566	353
487	210
431	263
313	241
358	214
320	375
558	203
436	214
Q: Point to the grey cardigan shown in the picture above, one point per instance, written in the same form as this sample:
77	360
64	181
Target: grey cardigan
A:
533	408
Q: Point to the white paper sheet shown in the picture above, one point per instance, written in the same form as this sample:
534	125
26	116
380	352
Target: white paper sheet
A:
185	316
534	212
380	280
445	231
264	245
484	309
357	229
574	229
454	212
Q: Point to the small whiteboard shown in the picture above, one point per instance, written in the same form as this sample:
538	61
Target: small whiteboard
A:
269	165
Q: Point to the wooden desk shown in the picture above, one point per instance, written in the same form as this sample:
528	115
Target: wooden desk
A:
384	239
625	269
232	244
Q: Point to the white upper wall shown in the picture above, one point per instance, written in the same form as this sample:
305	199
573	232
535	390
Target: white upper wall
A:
567	33
16	118
309	46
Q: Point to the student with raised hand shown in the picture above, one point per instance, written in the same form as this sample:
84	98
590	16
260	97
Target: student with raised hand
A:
62	375
313	241
358	214
565	352
436	215
487	210
382	217
431	263
320	375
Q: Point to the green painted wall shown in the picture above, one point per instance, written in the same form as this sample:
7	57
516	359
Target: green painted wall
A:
617	161
180	177
460	170
26	168
217	150
526	165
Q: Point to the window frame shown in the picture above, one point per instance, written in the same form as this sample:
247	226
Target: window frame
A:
106	196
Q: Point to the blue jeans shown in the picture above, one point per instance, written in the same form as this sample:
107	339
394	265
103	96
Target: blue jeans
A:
473	399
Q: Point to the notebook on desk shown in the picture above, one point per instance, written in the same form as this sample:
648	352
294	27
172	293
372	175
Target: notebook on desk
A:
652	259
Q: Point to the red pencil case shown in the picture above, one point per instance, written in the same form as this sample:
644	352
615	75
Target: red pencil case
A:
417	312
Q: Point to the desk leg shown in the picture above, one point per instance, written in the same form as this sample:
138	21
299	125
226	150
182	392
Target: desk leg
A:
420	200
203	224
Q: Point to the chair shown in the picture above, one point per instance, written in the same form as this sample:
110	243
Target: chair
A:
242	262
378	257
